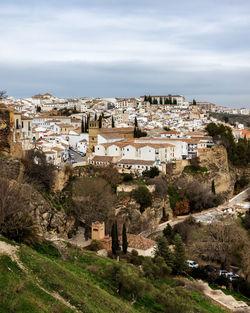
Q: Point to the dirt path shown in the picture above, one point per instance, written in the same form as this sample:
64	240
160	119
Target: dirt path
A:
12	252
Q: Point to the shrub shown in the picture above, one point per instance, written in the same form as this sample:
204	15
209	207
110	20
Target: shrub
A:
128	177
143	197
181	207
95	245
154	171
21	228
47	248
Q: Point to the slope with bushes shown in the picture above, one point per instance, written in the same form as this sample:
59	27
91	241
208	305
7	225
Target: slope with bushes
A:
73	280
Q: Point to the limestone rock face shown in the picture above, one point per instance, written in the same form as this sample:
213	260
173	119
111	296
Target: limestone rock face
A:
128	211
49	219
216	161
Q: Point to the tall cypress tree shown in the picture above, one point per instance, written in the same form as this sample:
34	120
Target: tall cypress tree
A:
116	237
100	121
213	187
113	122
136	123
113	237
82	127
124	239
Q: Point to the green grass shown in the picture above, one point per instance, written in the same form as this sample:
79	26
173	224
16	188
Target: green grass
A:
190	169
19	293
79	277
206	307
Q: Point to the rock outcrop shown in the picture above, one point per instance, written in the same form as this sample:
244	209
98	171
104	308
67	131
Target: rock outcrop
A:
128	211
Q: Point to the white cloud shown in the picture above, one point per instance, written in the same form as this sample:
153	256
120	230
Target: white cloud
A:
160	37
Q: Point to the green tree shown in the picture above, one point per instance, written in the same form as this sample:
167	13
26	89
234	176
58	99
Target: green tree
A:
124	239
142	196
180	263
213	187
162	250
136	123
113	122
114	237
82	127
173	196
194	102
154	171
100	121
168	232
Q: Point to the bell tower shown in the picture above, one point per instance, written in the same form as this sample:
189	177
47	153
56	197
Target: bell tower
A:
93	135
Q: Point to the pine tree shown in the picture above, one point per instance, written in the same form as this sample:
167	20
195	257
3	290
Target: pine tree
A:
213	187
180	264
95	116
162	250
194	102
124	239
113	122
136	123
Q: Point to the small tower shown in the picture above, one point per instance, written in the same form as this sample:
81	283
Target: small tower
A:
93	135
98	231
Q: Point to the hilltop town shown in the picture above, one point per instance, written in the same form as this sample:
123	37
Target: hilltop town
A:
112	130
131	198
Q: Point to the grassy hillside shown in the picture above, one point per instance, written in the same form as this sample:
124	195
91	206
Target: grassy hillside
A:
45	281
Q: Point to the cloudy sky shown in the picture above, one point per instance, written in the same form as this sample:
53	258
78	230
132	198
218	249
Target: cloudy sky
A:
101	48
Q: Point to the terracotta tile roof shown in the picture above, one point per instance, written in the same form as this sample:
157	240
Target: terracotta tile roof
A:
135	162
139	242
171	132
111	135
99	158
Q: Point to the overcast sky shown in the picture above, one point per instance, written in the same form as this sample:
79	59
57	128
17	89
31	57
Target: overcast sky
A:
99	48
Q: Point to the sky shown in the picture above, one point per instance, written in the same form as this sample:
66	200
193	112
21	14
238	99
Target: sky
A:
99	48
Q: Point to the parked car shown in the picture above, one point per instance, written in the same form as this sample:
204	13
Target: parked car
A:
232	276
224	272
210	268
192	264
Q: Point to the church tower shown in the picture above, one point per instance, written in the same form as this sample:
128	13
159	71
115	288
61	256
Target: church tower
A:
93	135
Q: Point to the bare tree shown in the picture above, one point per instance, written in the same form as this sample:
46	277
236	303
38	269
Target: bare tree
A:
15	221
3	94
37	170
93	200
199	196
220	242
11	198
